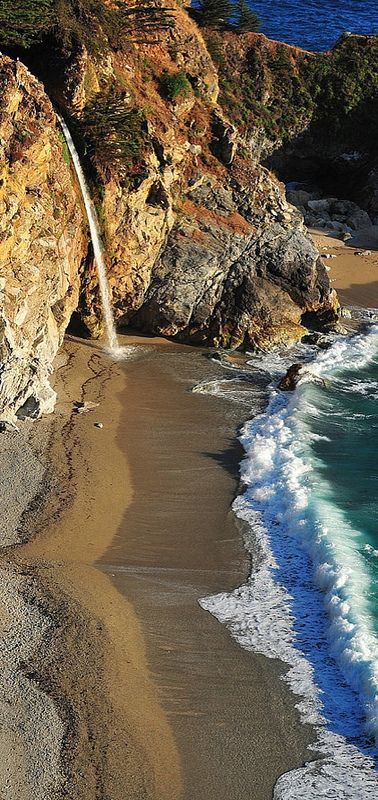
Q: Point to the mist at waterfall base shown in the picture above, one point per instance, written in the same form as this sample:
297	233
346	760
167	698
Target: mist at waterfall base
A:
315	24
115	350
309	511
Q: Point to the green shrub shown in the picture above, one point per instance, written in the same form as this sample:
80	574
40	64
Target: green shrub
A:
114	134
65	150
171	85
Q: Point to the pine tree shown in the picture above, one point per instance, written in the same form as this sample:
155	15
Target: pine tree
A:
22	24
145	20
246	19
213	13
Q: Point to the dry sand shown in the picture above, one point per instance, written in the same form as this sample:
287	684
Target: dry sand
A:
110	737
353	273
114	683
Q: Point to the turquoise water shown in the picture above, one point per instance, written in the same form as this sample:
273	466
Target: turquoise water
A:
315	24
346	461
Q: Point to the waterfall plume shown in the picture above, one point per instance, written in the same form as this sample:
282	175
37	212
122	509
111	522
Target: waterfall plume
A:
113	347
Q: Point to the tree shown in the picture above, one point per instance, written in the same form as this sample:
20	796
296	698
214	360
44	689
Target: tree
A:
246	19
142	23
22	24
213	13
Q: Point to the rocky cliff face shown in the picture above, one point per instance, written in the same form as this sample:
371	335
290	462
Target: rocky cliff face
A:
201	244
234	272
42	243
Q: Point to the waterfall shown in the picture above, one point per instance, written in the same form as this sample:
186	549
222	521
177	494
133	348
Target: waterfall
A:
114	348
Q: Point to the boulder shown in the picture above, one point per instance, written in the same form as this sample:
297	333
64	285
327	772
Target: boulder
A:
298	197
290	381
359	219
317	339
321	205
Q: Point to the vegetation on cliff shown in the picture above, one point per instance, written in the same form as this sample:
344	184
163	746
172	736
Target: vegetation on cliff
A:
231	14
281	90
115	134
72	22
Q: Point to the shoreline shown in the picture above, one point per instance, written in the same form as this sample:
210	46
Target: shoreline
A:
136	688
222	702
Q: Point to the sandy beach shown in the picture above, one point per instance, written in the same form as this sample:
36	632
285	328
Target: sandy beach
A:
148	695
116	683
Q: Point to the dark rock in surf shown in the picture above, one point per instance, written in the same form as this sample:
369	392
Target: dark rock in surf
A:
290	381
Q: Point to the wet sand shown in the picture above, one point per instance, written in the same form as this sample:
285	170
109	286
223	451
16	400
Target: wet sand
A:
233	719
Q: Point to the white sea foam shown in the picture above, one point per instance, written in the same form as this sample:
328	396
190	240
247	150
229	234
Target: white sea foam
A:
371	550
324	634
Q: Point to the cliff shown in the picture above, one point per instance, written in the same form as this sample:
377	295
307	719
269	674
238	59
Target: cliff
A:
200	241
305	115
42	243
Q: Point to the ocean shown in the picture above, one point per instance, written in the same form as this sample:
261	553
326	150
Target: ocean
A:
315	24
309	511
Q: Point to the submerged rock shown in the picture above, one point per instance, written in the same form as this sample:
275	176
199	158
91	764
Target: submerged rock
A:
317	339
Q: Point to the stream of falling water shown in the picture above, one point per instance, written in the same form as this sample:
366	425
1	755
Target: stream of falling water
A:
114	348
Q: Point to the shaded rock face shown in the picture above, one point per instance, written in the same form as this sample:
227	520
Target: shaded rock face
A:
306	116
41	243
233	274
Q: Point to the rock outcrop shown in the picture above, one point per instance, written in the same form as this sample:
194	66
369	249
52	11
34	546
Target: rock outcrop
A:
42	243
201	243
233	273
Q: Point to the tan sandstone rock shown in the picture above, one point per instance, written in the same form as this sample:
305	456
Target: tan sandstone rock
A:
42	242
